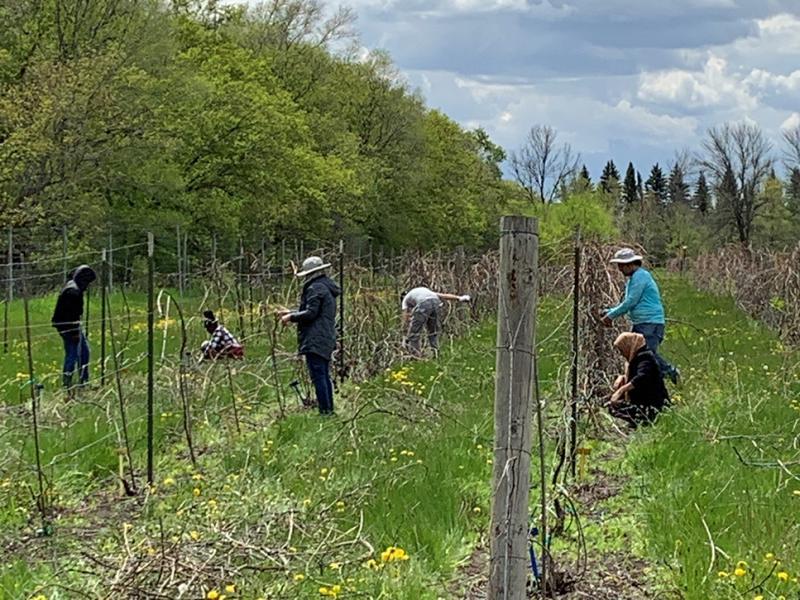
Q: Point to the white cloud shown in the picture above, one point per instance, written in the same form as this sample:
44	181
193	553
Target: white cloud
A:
793	122
761	79
714	86
589	124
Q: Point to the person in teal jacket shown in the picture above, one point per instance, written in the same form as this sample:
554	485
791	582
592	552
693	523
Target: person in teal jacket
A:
642	303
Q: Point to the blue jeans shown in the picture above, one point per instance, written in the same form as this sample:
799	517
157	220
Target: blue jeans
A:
76	351
653	335
319	372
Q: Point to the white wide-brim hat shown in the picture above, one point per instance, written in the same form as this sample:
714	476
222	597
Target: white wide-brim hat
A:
311	265
625	256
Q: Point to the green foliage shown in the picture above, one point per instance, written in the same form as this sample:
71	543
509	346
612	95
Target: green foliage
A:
715	461
630	192
226	120
677	188
557	222
775	225
656	185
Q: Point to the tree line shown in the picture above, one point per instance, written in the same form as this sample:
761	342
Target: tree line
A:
726	191
232	121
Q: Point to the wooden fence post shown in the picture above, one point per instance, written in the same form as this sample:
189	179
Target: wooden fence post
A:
515	376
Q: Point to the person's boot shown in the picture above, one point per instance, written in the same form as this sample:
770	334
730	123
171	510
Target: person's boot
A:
69	390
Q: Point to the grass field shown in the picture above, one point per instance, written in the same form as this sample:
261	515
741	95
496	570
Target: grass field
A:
390	497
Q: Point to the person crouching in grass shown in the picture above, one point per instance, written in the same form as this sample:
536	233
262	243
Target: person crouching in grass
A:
640	394
222	343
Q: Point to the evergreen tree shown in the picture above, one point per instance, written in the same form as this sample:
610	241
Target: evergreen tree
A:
639	186
585	174
656	185
678	189
609	180
793	191
727	193
701	199
629	192
580	184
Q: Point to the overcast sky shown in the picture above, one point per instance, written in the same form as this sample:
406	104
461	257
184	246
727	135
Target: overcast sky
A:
623	79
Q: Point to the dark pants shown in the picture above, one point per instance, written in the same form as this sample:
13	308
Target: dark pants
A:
653	335
424	316
633	414
76	352
319	372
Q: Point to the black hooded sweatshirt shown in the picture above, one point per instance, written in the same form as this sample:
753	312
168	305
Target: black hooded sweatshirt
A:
316	318
69	306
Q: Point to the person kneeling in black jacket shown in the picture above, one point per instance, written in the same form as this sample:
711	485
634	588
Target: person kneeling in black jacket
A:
640	394
316	327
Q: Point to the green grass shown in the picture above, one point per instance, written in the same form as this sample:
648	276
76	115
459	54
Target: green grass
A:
405	464
295	504
740	395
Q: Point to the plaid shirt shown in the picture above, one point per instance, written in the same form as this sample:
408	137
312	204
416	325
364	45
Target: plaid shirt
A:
222	342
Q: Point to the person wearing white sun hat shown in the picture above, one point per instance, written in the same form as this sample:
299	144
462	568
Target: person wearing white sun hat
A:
316	327
642	303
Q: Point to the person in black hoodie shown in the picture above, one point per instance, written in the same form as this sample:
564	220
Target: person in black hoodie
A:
640	394
67	321
316	327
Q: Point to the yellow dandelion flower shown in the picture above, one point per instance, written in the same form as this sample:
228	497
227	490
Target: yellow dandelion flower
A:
195	535
196	492
477	510
723	575
335	566
212	595
336	589
323	471
340	504
759	597
169	481
783	576
299	577
739	572
769	556
230	588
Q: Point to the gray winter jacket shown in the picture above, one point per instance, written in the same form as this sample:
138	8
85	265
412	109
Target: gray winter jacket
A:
316	318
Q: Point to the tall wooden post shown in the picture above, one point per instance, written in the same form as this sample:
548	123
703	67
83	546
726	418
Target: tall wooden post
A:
515	375
576	290
150	353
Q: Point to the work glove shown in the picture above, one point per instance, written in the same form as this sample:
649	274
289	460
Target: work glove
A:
464	298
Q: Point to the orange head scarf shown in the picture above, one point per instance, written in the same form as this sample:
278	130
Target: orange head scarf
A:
629	344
